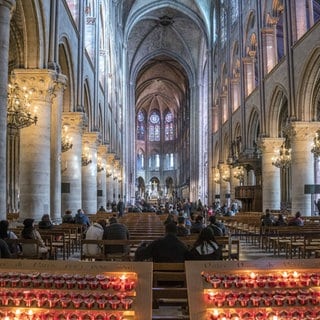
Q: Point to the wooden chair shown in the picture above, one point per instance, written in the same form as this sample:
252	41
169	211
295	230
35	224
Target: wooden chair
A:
169	285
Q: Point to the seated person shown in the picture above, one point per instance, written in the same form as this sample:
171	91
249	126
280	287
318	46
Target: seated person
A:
198	225
116	231
29	232
94	232
218	228
297	220
4	250
82	219
267	219
206	247
102	209
166	249
67	217
6	235
280	221
181	228
45	222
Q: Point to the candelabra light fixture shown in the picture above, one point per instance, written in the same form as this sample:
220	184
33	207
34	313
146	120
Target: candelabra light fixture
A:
100	166
239	173
282	159
226	176
66	141
85	158
316	144
216	177
19	113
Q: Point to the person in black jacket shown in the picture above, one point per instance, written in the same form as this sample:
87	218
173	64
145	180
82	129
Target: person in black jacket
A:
166	249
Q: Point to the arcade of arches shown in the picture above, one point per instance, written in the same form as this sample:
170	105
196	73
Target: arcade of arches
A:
158	101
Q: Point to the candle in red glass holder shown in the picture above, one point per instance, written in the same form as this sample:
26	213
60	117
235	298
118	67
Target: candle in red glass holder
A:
116	285
52	301
315	280
219	299
243	300
77	302
105	284
48	283
82	284
279	299
215	282
272	281
114	303
93	284
231	300
89	302
129	285
255	300
59	283
126	303
65	302
303	299
102	303
214	315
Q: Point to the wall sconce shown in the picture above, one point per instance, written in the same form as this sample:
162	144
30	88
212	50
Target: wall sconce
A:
316	145
18	110
100	166
86	158
66	141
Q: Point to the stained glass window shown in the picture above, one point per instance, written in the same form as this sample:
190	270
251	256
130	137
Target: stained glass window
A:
154	127
140	126
169	127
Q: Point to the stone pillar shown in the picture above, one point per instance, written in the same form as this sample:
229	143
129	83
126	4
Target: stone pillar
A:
224	184
89	172
115	180
271	193
235	93
6	7
270	48
249	75
55	174
301	18
35	144
71	193
109	176
101	177
302	165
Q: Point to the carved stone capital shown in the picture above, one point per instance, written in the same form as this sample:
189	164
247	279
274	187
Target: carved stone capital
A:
73	120
267	145
91	139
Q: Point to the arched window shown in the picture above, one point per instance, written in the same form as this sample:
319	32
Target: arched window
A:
141	126
154	126
169	127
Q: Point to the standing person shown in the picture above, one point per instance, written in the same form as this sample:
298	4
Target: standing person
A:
120	208
6	234
30	232
206	247
116	231
166	249
94	232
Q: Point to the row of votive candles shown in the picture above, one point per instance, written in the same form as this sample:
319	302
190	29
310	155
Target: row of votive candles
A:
52	300
263	315
59	315
266	299
115	283
254	280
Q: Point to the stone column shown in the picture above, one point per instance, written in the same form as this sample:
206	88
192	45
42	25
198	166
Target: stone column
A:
249	75
302	165
271	193
109	176
6	7
101	177
301	18
115	180
55	174
35	144
89	172
224	184
269	47
71	193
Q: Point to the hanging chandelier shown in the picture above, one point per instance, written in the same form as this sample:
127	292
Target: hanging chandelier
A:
66	141
216	177
85	158
316	144
18	110
239	173
100	166
283	158
226	175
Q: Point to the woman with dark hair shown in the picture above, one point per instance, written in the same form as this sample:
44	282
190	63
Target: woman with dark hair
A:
29	232
45	222
206	247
